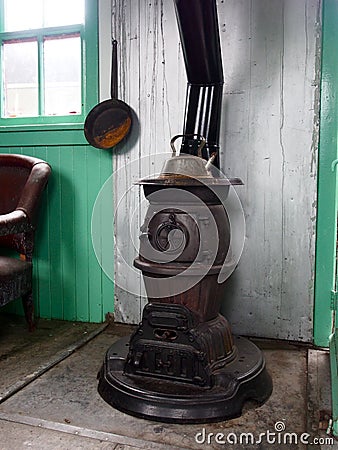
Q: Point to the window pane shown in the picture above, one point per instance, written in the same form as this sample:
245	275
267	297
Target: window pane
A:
62	59
30	14
20	61
63	12
23	14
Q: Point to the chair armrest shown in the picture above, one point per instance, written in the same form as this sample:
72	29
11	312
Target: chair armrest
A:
31	195
14	222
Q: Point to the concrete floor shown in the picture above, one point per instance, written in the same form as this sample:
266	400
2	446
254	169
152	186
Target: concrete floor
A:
48	396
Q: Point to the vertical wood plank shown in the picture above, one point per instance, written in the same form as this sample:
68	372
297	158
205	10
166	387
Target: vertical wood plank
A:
126	29
81	235
94	271
67	231
42	250
106	230
55	258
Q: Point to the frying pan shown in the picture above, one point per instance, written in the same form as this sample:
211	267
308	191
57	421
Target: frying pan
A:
109	121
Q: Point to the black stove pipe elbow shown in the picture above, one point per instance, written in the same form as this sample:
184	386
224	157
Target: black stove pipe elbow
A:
199	35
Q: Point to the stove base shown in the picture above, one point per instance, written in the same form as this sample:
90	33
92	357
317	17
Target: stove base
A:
244	378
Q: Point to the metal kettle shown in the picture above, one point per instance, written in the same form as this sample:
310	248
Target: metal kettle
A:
185	165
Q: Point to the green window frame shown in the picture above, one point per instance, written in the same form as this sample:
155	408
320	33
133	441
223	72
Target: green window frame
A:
88	32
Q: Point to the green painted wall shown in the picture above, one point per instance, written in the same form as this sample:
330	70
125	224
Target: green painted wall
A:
69	283
327	178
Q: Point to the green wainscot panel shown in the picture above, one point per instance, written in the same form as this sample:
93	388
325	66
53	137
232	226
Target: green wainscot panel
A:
69	282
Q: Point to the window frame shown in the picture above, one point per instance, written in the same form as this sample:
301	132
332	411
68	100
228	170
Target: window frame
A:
90	72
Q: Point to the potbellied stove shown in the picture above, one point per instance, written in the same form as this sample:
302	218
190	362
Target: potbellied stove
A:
182	364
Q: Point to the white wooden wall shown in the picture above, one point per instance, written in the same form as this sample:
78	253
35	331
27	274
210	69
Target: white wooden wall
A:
269	139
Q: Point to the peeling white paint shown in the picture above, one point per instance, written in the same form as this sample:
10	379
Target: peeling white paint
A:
269	137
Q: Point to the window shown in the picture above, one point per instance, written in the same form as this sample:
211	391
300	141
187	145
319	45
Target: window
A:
45	49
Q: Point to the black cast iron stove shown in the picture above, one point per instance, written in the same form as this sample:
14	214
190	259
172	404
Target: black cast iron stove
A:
182	363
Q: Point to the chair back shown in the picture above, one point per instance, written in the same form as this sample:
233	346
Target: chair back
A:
14	172
22	181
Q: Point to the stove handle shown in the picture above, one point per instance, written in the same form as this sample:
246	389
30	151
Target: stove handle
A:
199	150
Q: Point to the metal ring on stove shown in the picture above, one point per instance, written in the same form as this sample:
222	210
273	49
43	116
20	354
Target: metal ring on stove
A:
170	226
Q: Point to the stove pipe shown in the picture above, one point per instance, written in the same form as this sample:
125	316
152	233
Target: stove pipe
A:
198	29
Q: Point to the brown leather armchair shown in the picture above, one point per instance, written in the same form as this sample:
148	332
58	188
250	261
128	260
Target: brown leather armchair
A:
22	181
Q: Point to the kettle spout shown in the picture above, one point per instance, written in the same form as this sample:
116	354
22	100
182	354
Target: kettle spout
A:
210	160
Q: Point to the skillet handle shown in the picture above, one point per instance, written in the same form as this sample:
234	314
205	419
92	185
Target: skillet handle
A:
113	87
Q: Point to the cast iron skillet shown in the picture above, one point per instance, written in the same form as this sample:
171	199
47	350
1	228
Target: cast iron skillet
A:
109	121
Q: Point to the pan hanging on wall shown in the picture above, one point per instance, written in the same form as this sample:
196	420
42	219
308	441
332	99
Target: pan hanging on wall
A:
110	121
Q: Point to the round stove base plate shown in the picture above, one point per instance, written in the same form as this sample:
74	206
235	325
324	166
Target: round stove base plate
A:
244	378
